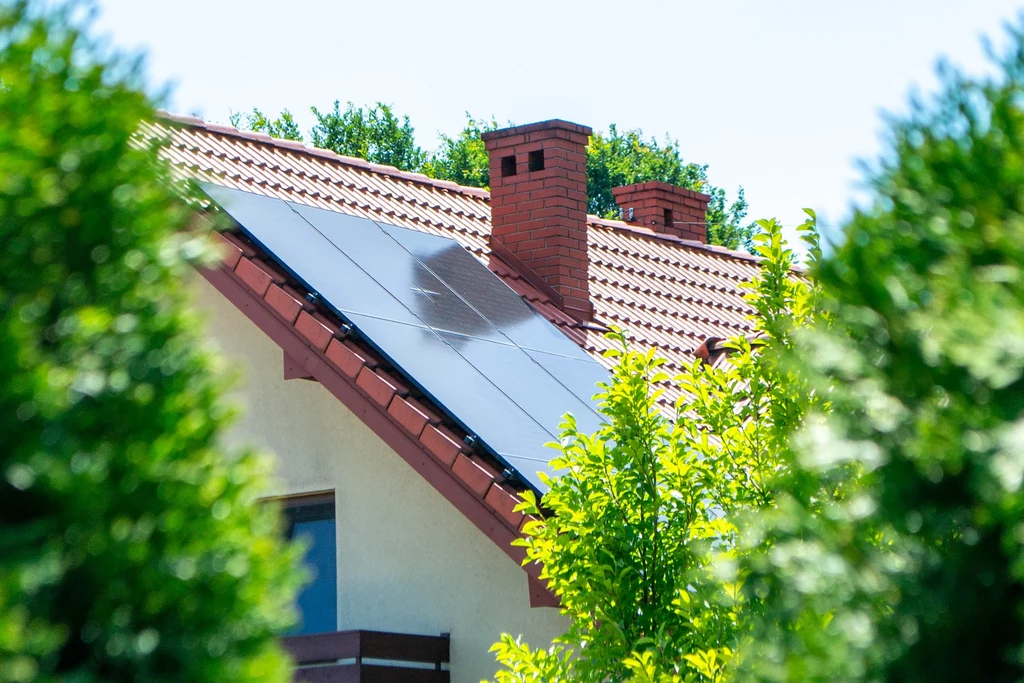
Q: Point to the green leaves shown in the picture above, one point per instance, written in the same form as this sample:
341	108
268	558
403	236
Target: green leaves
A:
638	536
463	159
627	158
534	666
131	546
710	663
374	133
616	548
283	127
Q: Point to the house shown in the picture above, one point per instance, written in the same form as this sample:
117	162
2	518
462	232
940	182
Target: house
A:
388	459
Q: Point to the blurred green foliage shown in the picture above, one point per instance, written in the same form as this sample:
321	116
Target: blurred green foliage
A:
131	547
633	531
896	550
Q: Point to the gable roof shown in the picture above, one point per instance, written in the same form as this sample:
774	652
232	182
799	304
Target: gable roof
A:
668	294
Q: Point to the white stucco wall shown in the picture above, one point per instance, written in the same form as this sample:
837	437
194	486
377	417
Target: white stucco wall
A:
408	561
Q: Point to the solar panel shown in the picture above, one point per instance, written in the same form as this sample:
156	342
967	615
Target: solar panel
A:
486	293
524	381
581	377
429	300
308	254
459	333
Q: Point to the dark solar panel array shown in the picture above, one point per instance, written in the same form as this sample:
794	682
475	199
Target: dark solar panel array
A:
468	341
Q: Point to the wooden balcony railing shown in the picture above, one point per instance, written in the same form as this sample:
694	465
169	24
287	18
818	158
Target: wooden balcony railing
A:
340	657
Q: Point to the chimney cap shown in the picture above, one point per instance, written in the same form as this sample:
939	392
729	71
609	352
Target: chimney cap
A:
625	191
553	124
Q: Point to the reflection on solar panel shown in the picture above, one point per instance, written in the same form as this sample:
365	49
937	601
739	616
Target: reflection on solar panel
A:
505	373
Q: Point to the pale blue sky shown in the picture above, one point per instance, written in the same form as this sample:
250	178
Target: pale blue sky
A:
780	97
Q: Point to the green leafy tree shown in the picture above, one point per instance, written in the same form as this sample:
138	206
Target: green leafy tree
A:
375	134
131	549
463	159
917	572
634	530
626	158
283	127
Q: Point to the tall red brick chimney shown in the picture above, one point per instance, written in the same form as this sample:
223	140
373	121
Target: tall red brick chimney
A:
539	207
665	209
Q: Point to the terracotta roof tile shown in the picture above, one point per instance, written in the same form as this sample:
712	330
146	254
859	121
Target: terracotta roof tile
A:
285	301
253	274
441	443
376	385
504	502
231	250
345	358
432	416
472	474
408	415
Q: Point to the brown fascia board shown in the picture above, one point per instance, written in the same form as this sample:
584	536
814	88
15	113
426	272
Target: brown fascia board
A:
374	416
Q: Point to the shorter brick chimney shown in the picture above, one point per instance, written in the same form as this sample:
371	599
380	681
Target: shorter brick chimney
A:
665	209
539	208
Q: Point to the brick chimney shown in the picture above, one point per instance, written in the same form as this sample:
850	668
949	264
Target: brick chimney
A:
539	207
665	209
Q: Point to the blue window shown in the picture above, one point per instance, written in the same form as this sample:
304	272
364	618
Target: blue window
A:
311	521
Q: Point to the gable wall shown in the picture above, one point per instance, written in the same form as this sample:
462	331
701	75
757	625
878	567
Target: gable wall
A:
408	561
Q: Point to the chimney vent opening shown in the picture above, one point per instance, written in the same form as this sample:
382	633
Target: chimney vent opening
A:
508	166
537	160
668	218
